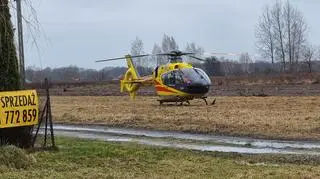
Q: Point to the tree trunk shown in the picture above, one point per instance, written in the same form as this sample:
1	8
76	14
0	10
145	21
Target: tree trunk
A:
309	65
288	20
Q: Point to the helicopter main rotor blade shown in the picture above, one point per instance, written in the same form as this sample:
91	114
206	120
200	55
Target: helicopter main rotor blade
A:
112	59
229	54
197	58
188	53
175	53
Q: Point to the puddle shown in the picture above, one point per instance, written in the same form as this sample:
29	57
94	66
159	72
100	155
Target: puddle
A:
178	140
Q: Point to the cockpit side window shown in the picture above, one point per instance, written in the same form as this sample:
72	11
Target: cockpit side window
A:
172	78
178	77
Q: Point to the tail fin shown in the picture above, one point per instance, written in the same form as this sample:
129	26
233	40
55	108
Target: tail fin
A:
130	82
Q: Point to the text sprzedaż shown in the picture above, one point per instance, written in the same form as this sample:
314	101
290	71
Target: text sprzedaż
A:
17	101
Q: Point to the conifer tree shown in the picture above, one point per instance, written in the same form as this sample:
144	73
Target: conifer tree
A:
9	76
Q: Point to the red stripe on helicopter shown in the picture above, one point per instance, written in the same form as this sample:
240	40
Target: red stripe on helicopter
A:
161	88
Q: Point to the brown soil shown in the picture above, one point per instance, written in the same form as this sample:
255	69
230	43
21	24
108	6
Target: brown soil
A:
264	117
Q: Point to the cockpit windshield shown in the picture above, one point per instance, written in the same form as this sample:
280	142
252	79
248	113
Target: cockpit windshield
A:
195	75
186	76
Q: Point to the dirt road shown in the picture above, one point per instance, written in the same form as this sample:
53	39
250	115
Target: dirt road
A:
200	142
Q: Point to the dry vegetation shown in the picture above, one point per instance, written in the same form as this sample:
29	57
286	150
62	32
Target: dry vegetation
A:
266	117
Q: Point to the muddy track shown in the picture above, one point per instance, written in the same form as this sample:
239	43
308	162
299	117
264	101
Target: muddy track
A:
199	142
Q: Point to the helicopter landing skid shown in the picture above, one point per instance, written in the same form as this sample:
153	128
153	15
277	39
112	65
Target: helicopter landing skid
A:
180	101
205	100
177	100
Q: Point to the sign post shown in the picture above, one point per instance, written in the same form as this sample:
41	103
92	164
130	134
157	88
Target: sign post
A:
47	117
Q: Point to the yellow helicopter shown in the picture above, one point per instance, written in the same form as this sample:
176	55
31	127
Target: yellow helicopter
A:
175	81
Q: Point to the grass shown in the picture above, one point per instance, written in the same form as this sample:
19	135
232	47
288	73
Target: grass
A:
267	117
79	158
13	157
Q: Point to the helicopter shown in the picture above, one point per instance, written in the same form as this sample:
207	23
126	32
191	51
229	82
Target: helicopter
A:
176	81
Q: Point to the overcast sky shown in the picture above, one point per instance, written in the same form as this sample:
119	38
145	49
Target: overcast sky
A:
78	32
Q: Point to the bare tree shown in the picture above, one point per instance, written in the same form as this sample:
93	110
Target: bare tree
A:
281	33
278	26
169	44
227	66
298	36
309	54
264	34
158	59
245	61
295	33
137	49
288	18
192	47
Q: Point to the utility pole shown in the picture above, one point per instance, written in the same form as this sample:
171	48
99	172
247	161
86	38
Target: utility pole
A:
20	42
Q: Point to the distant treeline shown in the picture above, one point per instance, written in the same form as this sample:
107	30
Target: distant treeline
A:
213	67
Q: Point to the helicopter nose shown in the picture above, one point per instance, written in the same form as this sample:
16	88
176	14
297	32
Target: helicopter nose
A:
197	89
